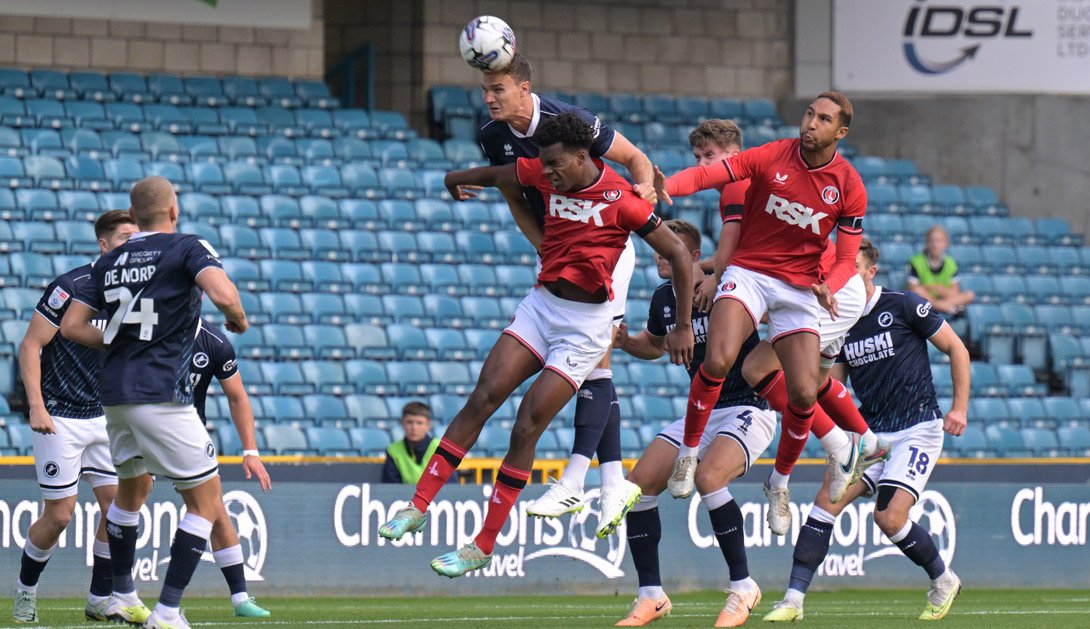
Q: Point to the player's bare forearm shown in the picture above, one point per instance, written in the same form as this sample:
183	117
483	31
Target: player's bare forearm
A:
224	295
488	176
729	234
645	346
242	415
638	164
523	215
76	326
38	334
949	343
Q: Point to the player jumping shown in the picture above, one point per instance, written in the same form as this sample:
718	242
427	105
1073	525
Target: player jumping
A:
799	191
885	355
516	113
561	329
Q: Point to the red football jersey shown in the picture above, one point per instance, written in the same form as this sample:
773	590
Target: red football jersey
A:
586	231
790	208
732	198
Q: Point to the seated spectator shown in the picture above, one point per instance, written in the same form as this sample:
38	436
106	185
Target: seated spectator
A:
933	274
405	458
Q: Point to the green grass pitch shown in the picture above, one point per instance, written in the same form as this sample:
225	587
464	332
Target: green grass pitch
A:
993	609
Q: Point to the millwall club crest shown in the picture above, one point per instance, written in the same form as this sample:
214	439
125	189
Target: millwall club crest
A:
830	195
612	195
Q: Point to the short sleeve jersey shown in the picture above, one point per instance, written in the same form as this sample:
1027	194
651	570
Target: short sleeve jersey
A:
586	230
791	208
502	144
213	356
70	372
732	200
148	292
662	317
886	355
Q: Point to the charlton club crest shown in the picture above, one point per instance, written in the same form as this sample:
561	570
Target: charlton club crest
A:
830	195
612	195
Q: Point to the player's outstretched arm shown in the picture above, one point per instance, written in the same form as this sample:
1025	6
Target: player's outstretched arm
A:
242	415
39	333
697	178
644	345
948	342
638	164
76	325
523	215
505	176
679	341
224	295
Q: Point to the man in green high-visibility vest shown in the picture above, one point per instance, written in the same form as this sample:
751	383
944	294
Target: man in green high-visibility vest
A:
933	274
405	458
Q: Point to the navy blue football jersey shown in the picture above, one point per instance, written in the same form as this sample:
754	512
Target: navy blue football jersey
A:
147	290
70	371
503	145
213	356
886	355
661	318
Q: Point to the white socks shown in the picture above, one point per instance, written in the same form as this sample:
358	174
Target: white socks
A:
652	592
775	479
612	474
838	444
576	472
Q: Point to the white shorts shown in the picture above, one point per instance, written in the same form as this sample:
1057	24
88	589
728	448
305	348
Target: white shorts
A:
164	439
568	337
790	309
78	447
915	452
622	279
850	302
751	427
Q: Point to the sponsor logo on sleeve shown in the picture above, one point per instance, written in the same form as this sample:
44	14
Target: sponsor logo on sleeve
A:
58	298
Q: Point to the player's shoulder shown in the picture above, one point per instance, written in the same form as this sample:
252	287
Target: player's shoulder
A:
664	290
72	277
549	106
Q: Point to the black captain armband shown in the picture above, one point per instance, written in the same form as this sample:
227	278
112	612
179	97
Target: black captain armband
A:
652	223
850	224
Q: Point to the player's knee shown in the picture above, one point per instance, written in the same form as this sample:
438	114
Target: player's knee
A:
801	397
524	434
483	401
57	517
716	365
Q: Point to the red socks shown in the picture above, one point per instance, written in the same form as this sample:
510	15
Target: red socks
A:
703	394
835	400
440	467
509	484
774	390
796	428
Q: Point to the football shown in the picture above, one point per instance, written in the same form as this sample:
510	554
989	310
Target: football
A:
487	43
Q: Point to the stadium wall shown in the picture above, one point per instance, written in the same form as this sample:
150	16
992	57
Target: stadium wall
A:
737	48
115	45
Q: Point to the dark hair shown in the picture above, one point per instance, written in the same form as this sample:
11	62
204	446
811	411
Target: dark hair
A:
567	129
519	69
869	251
416	408
845	105
721	133
685	230
108	223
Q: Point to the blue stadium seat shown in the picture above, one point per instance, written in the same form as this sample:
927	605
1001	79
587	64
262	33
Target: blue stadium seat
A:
1057	231
329	341
323	244
39	237
399	214
436	215
327	377
88	115
330	441
354	122
316	150
243	92
399	183
451	377
447	310
442	279
327	410
280	210
286	378
288	341
246	178
47	172
204	120
391	124
325	275
316	94
440	247
485	312
1041	442
208	177
402	246
279	90
481	280
287	440
91	86
241	121
478	247
284	275
205	91
407	309
1077	288
279	150
243	210
48	113
449	344
365	277
284	308
1019	380
370	441
279	121
168	88
518	279
1029	412
369	341
1006	441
